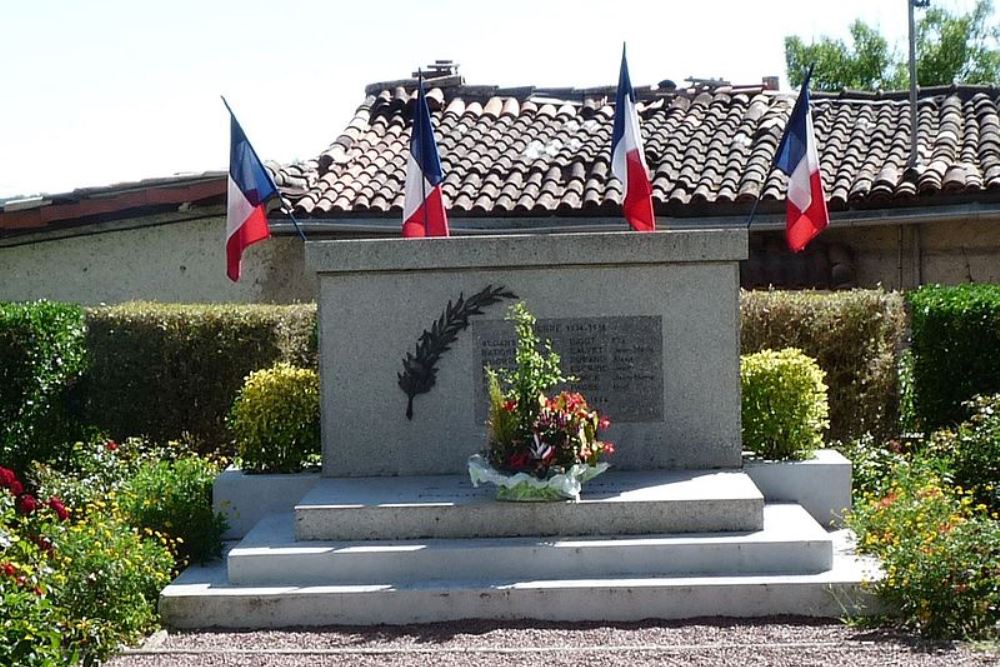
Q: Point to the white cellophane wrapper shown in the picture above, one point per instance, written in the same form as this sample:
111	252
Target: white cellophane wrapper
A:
522	487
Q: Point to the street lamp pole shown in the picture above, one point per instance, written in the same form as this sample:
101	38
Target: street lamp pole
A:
911	5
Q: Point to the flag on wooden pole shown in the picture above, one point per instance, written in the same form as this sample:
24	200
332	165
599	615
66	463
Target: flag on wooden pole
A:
628	163
423	203
806	214
250	187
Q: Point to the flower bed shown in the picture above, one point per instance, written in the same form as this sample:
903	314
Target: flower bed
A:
74	583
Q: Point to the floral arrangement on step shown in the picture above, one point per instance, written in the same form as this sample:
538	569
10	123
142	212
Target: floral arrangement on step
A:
538	447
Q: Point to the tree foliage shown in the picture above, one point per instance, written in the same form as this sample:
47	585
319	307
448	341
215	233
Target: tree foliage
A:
951	48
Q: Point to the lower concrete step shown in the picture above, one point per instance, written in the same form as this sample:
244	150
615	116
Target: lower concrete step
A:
447	506
791	542
202	597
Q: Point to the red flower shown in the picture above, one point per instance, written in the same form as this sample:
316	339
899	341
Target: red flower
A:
7	477
26	504
16	488
604	423
510	405
58	507
9	569
43	543
111	446
519	460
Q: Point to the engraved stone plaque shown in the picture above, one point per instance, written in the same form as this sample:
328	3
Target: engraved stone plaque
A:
618	361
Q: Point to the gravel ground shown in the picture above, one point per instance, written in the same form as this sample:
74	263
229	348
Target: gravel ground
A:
777	641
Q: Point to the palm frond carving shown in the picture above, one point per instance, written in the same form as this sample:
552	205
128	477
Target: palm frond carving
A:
420	367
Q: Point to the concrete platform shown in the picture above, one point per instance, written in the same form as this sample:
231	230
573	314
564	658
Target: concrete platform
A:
202	597
791	542
447	506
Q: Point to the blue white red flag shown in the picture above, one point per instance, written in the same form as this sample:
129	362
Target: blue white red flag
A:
806	214
628	162
423	203
250	186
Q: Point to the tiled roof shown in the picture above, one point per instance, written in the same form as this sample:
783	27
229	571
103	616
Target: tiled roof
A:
27	214
539	152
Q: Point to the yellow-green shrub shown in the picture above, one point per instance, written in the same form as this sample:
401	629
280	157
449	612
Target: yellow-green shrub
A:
784	404
275	419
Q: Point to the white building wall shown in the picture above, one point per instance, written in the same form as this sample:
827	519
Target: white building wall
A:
181	262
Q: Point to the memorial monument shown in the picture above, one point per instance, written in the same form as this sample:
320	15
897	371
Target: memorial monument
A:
393	532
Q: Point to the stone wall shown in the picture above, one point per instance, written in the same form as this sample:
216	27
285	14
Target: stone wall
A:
904	256
185	261
174	262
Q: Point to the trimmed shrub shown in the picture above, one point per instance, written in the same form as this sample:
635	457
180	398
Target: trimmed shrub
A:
956	349
784	404
169	371
175	498
275	419
855	337
41	356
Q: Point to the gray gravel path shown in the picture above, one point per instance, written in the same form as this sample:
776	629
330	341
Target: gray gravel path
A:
778	642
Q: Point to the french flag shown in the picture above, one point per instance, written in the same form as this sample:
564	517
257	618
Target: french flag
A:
797	156
250	186
423	204
628	163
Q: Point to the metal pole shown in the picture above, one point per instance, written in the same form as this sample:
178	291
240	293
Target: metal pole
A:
912	164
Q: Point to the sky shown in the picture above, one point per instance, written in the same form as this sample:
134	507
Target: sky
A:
95	92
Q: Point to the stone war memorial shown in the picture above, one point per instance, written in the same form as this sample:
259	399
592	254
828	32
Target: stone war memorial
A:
393	531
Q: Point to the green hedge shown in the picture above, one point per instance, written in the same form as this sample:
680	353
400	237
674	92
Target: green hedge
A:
956	349
855	336
170	371
41	358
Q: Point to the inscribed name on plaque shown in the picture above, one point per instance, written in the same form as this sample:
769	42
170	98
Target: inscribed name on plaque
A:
618	361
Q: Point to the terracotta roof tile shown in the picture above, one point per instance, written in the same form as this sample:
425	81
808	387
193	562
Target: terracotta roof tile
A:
538	152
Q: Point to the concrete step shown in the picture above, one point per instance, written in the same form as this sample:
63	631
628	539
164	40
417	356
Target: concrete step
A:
202	597
447	506
791	542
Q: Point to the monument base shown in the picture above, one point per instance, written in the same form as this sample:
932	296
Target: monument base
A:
785	564
447	506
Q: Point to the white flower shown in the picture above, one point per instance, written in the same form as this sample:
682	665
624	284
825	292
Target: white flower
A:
540	449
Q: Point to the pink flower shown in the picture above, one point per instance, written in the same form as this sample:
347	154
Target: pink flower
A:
26	504
604	423
609	448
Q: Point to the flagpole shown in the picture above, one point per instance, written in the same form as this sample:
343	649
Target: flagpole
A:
419	112
284	208
777	152
288	211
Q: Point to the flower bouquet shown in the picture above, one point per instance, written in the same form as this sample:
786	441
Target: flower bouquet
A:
538	448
